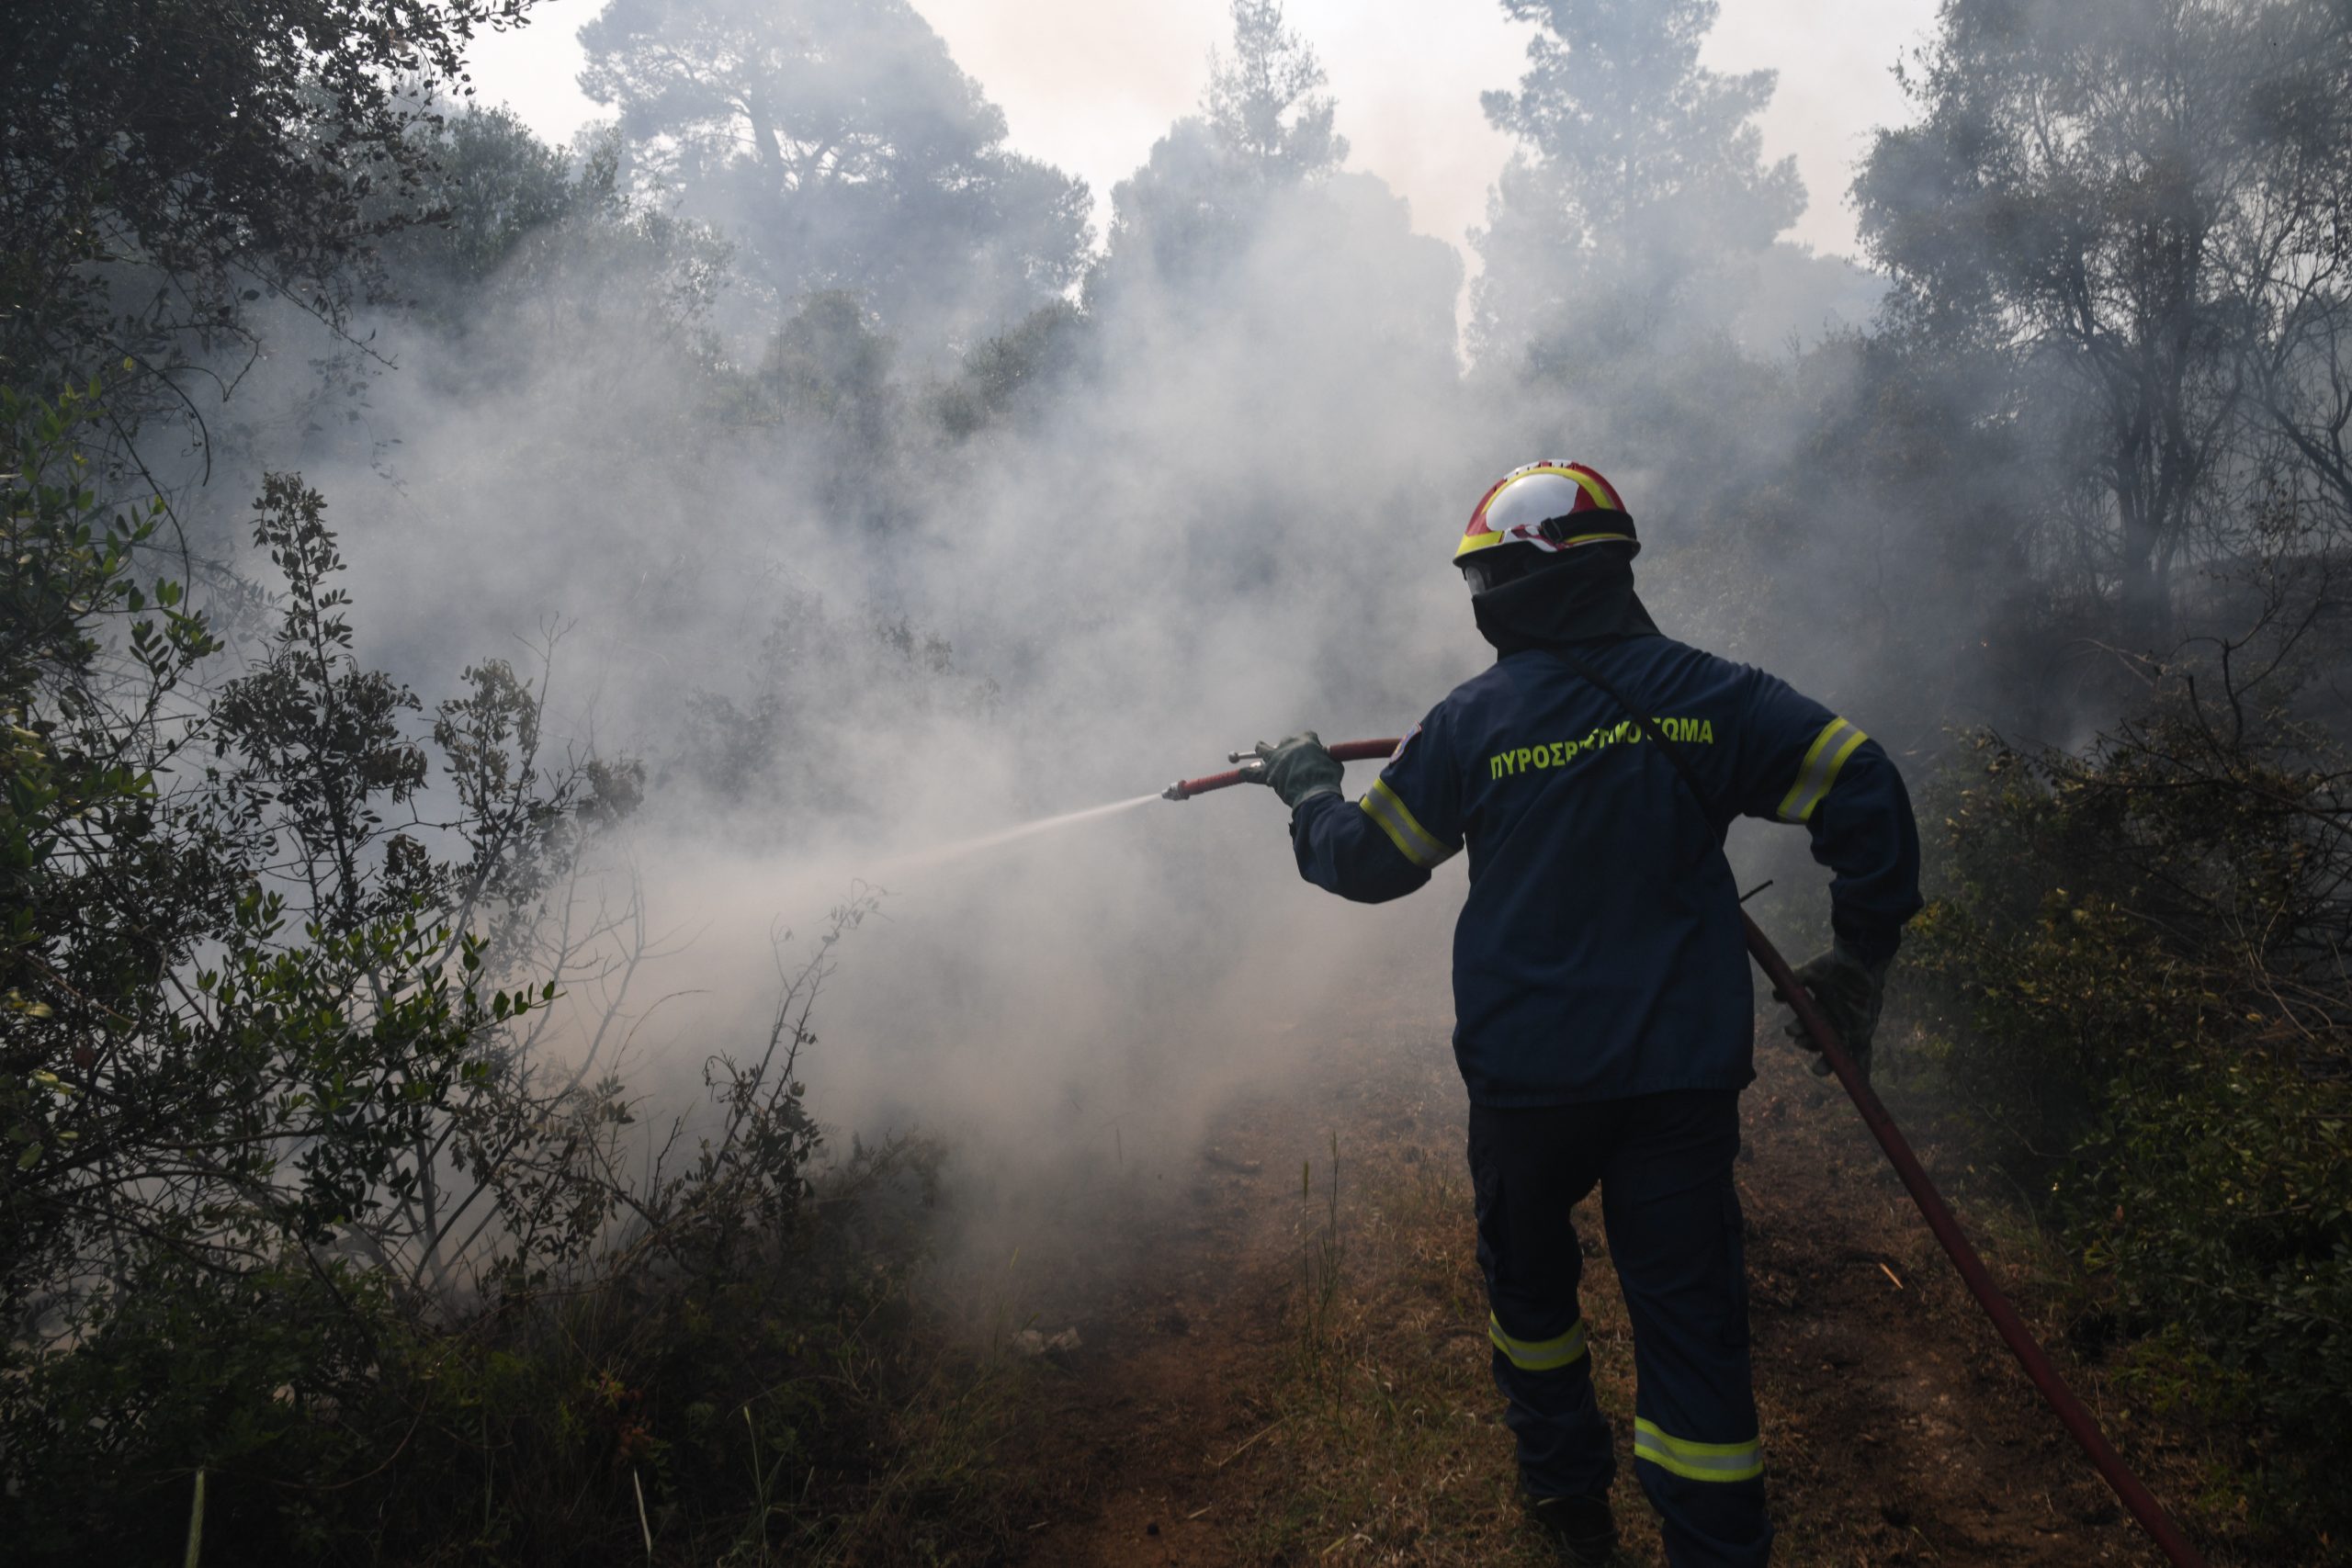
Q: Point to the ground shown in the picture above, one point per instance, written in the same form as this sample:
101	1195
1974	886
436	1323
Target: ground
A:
1285	1362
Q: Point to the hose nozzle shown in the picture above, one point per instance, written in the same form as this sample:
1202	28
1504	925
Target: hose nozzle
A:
1253	768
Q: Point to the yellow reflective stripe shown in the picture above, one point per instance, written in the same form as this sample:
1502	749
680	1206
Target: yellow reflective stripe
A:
1819	770
1538	1355
1382	805
1698	1461
1594	539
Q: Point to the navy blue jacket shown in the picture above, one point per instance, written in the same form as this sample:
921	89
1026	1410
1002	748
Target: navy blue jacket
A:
1600	954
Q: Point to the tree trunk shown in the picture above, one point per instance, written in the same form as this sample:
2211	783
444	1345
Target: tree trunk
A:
2144	619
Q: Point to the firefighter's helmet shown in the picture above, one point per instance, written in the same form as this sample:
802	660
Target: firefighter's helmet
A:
1543	509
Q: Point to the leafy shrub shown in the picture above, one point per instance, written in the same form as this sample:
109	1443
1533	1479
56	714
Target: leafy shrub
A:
2145	1001
294	1197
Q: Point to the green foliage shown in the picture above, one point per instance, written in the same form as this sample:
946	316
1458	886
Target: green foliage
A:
2145	1002
526	235
489	185
207	1090
827	370
292	1192
222	152
1013	375
98	902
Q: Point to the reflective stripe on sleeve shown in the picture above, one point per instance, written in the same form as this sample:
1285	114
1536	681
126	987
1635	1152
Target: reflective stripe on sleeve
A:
1538	1355
1698	1461
1819	770
1412	841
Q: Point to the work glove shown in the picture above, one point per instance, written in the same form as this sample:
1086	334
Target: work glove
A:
1298	769
1850	993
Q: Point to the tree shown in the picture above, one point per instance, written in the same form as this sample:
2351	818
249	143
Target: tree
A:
490	184
1640	172
2134	978
1265	127
1265	106
2136	206
534	246
317	1188
842	142
252	1032
164	164
2291	253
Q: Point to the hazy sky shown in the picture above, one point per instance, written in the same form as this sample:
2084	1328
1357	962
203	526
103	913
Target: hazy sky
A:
1088	85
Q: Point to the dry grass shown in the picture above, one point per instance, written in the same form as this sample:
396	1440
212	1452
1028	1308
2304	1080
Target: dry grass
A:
1391	1447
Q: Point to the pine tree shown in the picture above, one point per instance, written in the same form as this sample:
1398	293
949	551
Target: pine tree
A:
1639	171
1265	125
1264	107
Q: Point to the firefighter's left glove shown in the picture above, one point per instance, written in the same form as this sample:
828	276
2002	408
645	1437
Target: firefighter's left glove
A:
1850	993
1299	769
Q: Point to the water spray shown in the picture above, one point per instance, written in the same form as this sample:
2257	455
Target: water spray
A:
915	860
2078	1422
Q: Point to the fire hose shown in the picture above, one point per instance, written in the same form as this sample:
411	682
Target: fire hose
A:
2071	1413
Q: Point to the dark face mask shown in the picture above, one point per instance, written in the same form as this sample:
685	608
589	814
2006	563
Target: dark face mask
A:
1543	601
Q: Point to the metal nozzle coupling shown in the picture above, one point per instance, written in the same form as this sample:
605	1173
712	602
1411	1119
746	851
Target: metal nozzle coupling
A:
1175	792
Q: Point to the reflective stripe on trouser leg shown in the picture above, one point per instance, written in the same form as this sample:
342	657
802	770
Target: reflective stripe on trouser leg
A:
1528	1169
1538	1355
1675	1235
1697	1461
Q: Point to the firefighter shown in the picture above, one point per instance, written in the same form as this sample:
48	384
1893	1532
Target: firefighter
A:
1603	1015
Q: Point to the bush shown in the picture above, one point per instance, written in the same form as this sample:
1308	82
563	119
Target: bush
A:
2144	999
293	1198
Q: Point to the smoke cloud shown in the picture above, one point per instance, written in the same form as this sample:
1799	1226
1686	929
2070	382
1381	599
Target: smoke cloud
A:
843	618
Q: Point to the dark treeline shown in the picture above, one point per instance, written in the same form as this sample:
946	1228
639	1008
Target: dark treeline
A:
341	1189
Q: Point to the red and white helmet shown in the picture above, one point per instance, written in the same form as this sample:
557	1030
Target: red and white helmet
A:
1550	506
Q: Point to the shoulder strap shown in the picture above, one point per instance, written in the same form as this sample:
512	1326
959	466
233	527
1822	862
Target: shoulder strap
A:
1640	716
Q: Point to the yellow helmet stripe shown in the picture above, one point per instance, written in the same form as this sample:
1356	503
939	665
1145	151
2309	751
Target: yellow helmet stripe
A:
1593	488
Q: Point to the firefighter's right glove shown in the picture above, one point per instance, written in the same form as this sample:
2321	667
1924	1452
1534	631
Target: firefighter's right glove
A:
1850	993
1299	769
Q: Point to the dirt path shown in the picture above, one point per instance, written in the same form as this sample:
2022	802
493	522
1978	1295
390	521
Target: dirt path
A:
1222	1410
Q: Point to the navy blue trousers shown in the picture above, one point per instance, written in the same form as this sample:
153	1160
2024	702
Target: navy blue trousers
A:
1663	1163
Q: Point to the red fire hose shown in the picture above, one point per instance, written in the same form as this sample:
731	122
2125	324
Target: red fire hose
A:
2071	1414
1346	751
